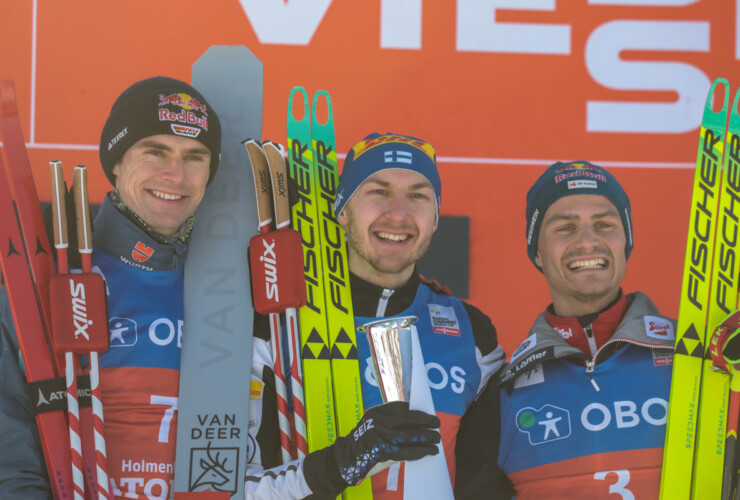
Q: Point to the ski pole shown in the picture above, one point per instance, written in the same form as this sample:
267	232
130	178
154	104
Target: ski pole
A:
264	215
84	238
61	243
279	174
80	325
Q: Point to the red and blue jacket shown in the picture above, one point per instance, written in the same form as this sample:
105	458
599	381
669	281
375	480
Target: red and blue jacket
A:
582	408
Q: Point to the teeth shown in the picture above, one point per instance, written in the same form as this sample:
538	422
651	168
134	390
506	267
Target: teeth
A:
166	196
587	264
393	237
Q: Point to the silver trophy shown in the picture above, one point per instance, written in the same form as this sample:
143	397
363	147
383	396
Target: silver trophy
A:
390	344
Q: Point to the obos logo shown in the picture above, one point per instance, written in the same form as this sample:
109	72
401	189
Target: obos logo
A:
122	332
549	423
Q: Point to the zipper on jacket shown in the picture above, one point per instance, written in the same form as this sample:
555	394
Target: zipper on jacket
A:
383	302
592	363
591	341
590	370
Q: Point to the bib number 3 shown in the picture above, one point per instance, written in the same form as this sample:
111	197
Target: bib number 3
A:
620	487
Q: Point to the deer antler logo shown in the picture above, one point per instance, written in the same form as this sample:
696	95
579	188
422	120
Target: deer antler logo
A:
213	472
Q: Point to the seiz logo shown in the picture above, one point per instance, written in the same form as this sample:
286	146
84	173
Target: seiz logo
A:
363	428
269	260
79	309
141	252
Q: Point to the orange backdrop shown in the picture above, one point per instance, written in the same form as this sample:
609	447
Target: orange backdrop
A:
501	88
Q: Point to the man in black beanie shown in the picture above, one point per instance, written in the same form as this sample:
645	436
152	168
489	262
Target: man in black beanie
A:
159	148
581	408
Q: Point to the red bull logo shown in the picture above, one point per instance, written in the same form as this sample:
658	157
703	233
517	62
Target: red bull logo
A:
184	101
590	173
185	117
369	144
577	167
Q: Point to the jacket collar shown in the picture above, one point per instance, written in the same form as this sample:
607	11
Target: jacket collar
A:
122	238
366	296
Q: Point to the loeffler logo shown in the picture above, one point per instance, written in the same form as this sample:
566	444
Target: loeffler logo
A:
79	309
269	260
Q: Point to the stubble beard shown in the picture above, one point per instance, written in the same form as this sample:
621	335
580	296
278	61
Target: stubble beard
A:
383	265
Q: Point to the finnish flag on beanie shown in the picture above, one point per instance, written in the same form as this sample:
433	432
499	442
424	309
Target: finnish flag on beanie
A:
378	152
566	179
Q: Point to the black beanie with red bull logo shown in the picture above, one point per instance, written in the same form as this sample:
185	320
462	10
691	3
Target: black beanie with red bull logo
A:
154	106
565	179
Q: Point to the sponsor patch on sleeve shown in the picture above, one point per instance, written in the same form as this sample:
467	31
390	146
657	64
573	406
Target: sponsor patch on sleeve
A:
662	357
533	376
525	346
659	328
444	320
255	389
524	363
582	183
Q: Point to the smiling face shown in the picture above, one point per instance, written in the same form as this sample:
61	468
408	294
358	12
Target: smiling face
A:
162	178
389	222
581	251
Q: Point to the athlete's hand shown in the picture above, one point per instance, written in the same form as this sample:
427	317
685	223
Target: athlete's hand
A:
387	433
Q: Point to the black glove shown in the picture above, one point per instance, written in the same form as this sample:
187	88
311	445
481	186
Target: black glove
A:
389	432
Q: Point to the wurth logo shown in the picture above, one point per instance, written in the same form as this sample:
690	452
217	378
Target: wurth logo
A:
141	252
79	309
269	260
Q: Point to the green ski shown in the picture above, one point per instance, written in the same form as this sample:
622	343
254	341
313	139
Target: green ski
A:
331	368
695	306
723	299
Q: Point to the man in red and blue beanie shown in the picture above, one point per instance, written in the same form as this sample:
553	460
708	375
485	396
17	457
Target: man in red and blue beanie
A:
388	202
581	408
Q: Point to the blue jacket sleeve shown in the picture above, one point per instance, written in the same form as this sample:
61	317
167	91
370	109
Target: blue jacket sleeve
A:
22	468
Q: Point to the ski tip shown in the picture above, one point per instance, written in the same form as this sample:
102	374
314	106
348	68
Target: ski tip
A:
713	92
327	114
304	100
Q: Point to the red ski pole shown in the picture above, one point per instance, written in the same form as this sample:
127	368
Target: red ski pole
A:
260	260
80	321
279	174
61	243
